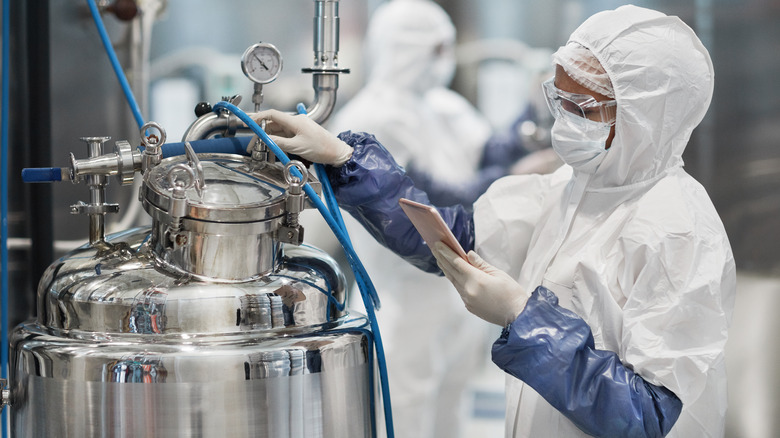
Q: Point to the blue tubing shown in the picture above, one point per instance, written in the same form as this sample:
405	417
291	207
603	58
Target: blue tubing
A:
4	206
224	145
367	290
120	74
41	174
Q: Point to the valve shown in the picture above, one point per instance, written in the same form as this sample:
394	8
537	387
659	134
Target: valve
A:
97	207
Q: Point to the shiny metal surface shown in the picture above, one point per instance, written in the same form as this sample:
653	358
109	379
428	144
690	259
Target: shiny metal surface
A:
212	124
289	387
232	192
123	347
231	207
123	290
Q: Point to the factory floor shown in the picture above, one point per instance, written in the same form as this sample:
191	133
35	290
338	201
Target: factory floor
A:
752	354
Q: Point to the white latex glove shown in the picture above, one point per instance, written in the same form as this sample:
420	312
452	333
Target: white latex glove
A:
488	292
302	136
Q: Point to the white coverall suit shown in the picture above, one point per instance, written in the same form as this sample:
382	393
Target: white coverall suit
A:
635	248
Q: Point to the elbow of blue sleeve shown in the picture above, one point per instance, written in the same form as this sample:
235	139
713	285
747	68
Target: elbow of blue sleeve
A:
368	187
551	349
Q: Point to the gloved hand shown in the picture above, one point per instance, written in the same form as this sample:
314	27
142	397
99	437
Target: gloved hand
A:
302	136
488	292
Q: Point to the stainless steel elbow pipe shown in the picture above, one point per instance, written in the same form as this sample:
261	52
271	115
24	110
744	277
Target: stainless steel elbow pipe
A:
325	77
325	80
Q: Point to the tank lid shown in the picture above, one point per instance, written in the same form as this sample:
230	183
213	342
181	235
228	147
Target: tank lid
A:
231	192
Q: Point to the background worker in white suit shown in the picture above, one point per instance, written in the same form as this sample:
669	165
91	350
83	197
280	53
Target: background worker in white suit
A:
449	148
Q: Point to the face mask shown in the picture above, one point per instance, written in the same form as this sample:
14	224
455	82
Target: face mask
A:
580	144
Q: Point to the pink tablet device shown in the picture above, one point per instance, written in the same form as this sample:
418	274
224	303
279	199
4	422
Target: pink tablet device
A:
431	226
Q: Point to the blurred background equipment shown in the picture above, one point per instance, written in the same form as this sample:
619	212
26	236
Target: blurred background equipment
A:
177	53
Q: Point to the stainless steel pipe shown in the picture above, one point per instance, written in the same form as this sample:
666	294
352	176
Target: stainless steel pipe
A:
325	77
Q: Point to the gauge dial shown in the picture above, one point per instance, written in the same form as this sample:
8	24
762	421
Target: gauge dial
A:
261	63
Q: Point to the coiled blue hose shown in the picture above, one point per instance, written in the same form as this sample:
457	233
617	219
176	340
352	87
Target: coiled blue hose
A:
4	207
120	74
366	287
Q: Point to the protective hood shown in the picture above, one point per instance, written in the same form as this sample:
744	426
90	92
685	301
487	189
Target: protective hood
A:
410	44
636	249
663	80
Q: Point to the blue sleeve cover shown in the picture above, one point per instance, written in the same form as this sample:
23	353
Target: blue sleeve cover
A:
368	187
552	350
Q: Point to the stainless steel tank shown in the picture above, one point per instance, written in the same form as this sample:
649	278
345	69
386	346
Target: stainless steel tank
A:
207	324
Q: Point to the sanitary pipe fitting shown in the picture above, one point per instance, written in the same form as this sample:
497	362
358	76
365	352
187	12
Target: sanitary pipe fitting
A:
97	207
325	79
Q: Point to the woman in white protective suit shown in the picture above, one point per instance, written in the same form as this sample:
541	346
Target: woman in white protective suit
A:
446	147
613	277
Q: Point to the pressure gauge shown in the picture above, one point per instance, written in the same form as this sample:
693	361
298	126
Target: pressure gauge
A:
261	63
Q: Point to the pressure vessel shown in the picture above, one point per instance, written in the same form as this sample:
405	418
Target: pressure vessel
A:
207	323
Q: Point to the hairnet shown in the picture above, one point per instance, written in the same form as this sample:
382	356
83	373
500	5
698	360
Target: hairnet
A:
584	68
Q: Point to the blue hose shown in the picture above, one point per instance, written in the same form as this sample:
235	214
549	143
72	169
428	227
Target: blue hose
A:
120	74
367	290
4	206
333	207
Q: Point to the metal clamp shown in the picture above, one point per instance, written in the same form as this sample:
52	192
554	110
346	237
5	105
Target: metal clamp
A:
181	177
5	395
83	208
291	231
258	149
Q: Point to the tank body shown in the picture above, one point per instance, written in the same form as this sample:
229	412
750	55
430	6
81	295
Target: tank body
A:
152	334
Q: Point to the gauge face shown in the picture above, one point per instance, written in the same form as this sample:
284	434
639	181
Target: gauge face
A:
261	63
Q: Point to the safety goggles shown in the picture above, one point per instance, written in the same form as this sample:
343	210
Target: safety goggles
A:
577	107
